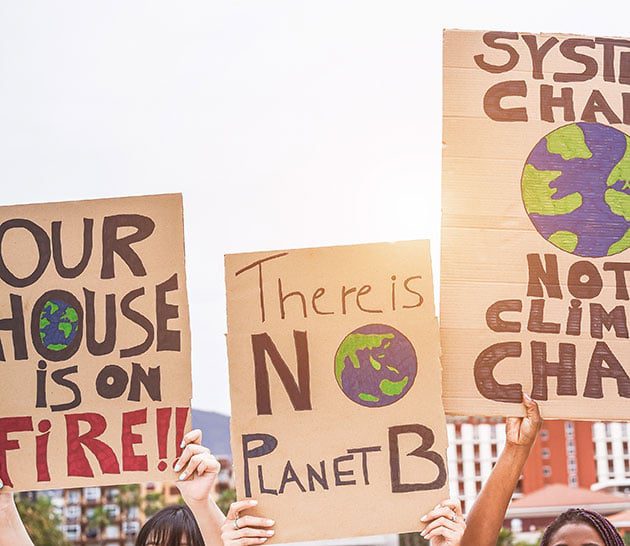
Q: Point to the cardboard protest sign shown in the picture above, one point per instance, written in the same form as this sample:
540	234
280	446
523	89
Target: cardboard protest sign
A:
94	342
335	386
536	224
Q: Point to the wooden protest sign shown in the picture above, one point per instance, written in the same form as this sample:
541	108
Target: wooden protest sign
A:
335	386
536	224
95	343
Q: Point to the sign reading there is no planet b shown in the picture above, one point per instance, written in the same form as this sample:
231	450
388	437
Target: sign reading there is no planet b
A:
336	389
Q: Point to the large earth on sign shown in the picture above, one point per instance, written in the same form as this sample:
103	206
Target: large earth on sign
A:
576	189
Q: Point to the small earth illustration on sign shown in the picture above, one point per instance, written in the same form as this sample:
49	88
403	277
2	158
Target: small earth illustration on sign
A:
375	365
576	189
58	324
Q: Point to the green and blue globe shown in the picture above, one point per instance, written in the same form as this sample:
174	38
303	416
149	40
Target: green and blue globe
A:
375	365
58	324
576	189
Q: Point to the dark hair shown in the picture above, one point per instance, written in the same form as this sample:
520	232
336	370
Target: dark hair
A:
169	526
606	530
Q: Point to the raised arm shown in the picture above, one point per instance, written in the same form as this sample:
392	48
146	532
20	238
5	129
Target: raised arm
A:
12	531
487	514
198	470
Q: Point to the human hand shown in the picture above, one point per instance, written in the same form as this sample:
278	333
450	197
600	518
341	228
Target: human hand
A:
445	524
196	459
246	530
522	431
7	502
6	497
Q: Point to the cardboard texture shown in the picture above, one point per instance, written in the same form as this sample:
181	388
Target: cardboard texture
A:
335	387
536	224
95	361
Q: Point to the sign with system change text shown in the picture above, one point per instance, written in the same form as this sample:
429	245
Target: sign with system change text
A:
335	387
536	224
94	342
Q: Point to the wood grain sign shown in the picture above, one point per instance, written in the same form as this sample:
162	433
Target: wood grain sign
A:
536	224
335	386
94	342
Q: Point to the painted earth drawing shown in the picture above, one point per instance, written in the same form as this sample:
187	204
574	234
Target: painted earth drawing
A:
576	189
375	365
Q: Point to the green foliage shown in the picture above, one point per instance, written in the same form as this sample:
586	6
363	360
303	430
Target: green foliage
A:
153	503
99	518
128	496
226	498
626	538
40	521
506	538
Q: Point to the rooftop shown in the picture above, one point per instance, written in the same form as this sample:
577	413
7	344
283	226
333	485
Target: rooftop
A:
552	500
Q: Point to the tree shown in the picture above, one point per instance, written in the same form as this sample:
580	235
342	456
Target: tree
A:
227	497
153	503
128	497
99	519
41	521
506	538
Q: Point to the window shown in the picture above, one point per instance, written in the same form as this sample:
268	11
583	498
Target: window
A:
112	531
72	532
112	495
73	511
92	494
131	528
113	510
74	496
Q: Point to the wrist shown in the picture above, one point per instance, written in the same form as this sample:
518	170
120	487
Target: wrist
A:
197	504
6	500
517	451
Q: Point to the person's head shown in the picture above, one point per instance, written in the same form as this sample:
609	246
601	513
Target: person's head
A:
579	527
171	526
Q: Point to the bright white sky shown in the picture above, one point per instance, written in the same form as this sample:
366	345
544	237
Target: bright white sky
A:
284	123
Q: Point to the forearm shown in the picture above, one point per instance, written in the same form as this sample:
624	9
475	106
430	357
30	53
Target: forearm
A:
12	531
209	518
487	514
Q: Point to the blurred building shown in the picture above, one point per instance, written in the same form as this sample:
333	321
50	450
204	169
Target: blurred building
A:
473	447
113	516
586	455
538	509
96	515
